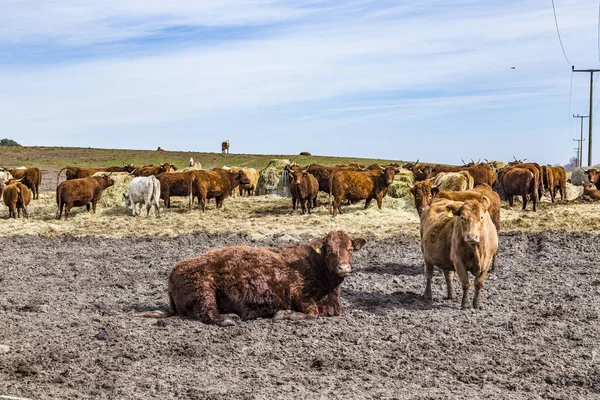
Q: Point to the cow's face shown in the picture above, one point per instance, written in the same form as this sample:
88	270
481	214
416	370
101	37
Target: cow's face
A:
296	177
166	167
587	186
126	201
422	173
389	173
471	218
593	175
128	168
107	181
242	177
423	193
338	248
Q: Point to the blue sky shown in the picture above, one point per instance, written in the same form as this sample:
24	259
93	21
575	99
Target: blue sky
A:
427	79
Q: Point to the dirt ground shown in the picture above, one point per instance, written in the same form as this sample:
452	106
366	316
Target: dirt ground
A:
66	307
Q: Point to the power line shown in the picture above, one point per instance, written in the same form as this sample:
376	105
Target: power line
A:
558	32
598	30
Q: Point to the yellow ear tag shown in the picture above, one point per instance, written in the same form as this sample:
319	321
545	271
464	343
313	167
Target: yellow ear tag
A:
318	250
450	214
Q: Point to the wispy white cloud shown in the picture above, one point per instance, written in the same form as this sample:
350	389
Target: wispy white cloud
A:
406	65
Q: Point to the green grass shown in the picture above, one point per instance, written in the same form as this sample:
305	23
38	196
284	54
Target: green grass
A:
58	157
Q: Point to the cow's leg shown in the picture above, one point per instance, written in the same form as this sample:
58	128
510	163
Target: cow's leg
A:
94	201
202	201
368	202
308	310
309	205
534	201
428	278
315	202
524	196
294	200
205	309
303	205
67	210
563	191
463	276
88	206
494	262
449	275
479	280
331	305
148	207
25	212
379	201
60	210
511	200
219	200
337	206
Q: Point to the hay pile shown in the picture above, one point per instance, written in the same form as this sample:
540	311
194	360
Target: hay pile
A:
496	165
113	195
573	192
402	181
273	180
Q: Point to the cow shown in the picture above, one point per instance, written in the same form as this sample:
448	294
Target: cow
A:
358	185
143	190
16	197
537	171
248	189
594	177
30	177
5	176
425	194
80	192
218	183
556	178
304	188
590	192
305	153
294	283
520	182
82	172
194	164
225	147
454	181
155	170
458	236
176	184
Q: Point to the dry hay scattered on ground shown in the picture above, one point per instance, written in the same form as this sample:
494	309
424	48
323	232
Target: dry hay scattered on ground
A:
261	216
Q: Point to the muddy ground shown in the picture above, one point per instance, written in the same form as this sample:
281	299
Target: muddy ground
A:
538	335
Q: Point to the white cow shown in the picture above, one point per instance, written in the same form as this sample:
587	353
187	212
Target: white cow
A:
193	165
5	176
143	190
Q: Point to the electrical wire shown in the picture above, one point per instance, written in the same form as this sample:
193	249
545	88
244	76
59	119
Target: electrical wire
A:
598	30
558	32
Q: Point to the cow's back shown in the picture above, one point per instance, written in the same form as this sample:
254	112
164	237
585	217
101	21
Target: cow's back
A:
437	225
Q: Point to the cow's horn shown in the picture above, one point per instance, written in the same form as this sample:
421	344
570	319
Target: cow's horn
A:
463	161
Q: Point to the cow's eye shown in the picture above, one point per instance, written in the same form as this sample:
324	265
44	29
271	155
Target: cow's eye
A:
481	218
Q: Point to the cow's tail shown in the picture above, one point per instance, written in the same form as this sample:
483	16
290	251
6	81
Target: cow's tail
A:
58	201
58	176
154	314
330	191
191	189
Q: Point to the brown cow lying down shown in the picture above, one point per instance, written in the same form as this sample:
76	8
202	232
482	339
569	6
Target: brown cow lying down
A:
461	237
297	282
589	193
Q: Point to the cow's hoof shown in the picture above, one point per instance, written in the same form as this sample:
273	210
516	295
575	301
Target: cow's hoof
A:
282	314
226	322
233	317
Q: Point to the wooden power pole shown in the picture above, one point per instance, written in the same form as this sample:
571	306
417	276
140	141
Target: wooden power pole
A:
580	140
591	71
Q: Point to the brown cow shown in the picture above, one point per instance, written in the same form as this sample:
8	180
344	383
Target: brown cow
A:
304	188
17	197
80	192
461	237
557	181
155	170
590	193
295	283
537	172
358	185
248	189
82	172
305	153
594	177
225	147
218	183
30	177
176	184
518	181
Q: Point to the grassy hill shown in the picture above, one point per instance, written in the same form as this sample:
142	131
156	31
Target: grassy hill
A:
54	158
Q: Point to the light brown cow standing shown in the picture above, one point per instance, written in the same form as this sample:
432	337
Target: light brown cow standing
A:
461	237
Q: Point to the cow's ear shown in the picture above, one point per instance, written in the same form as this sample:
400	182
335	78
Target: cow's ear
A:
358	243
411	191
485	202
454	208
435	190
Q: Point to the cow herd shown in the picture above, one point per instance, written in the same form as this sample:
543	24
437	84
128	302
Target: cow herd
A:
459	209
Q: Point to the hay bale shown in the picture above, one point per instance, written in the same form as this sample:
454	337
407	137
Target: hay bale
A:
573	192
273	180
113	195
402	181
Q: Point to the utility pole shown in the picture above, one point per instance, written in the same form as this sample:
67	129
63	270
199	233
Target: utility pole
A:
591	71
581	140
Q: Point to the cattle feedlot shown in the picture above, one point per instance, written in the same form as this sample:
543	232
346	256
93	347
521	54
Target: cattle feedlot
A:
80	298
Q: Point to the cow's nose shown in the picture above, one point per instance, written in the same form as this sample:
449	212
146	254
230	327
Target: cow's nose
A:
344	269
472	238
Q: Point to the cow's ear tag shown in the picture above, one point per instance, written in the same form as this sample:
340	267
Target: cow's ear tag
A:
450	214
318	250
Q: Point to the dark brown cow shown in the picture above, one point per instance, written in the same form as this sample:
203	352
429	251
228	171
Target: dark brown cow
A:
590	192
16	197
518	181
155	170
303	188
30	177
295	283
358	185
218	183
176	184
458	236
305	153
225	147
82	172
538	173
80	192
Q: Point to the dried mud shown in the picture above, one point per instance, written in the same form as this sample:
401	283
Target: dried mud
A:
66	306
